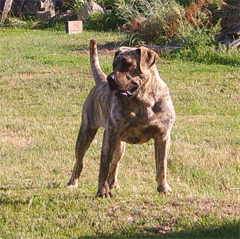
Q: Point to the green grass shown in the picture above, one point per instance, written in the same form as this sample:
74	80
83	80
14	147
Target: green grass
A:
44	78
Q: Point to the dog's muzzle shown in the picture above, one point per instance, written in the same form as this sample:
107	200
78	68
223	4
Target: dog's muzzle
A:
128	91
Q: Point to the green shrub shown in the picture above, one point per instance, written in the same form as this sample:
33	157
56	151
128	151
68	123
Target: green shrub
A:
199	44
163	22
103	22
208	54
117	15
19	23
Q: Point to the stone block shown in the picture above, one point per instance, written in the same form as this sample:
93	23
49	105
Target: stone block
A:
74	27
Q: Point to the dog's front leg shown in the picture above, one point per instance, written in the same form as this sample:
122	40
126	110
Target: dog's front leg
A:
108	148
113	171
161	155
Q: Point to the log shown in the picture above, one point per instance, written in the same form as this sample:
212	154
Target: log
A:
235	43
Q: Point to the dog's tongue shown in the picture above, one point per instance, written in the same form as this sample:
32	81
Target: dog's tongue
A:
115	91
128	93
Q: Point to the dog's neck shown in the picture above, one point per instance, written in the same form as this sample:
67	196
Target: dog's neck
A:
152	83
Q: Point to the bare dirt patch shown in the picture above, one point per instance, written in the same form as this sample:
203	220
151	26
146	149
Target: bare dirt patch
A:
15	138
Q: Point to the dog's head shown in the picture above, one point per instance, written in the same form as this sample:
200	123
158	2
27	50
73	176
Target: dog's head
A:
130	67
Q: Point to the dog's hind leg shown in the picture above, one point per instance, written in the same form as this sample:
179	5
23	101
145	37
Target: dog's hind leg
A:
85	137
113	171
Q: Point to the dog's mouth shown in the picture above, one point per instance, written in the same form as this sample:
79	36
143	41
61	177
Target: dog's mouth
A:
128	91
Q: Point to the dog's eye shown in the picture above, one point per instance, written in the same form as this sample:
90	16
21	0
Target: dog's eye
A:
126	63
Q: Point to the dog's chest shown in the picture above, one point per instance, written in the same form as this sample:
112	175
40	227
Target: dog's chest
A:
140	126
141	116
139	121
145	113
138	134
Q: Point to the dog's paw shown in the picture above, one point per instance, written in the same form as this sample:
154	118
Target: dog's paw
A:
165	189
72	184
114	185
104	194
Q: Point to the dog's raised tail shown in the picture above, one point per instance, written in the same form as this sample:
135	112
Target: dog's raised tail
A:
98	74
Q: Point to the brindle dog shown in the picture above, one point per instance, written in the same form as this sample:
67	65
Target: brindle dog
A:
133	105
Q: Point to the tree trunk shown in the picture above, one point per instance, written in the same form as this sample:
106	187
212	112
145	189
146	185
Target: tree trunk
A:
6	9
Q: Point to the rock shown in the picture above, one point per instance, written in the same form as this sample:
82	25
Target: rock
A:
44	16
88	10
47	5
230	22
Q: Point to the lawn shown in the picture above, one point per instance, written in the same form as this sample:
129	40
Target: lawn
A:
44	78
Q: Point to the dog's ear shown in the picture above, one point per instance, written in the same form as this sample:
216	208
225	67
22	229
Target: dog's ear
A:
117	53
148	58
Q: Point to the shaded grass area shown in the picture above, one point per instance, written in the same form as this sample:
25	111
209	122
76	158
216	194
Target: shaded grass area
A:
44	78
71	215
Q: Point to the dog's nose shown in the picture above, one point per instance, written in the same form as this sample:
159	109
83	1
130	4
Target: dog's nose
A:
111	77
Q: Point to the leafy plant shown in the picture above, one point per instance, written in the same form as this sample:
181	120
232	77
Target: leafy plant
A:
75	5
20	23
103	22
